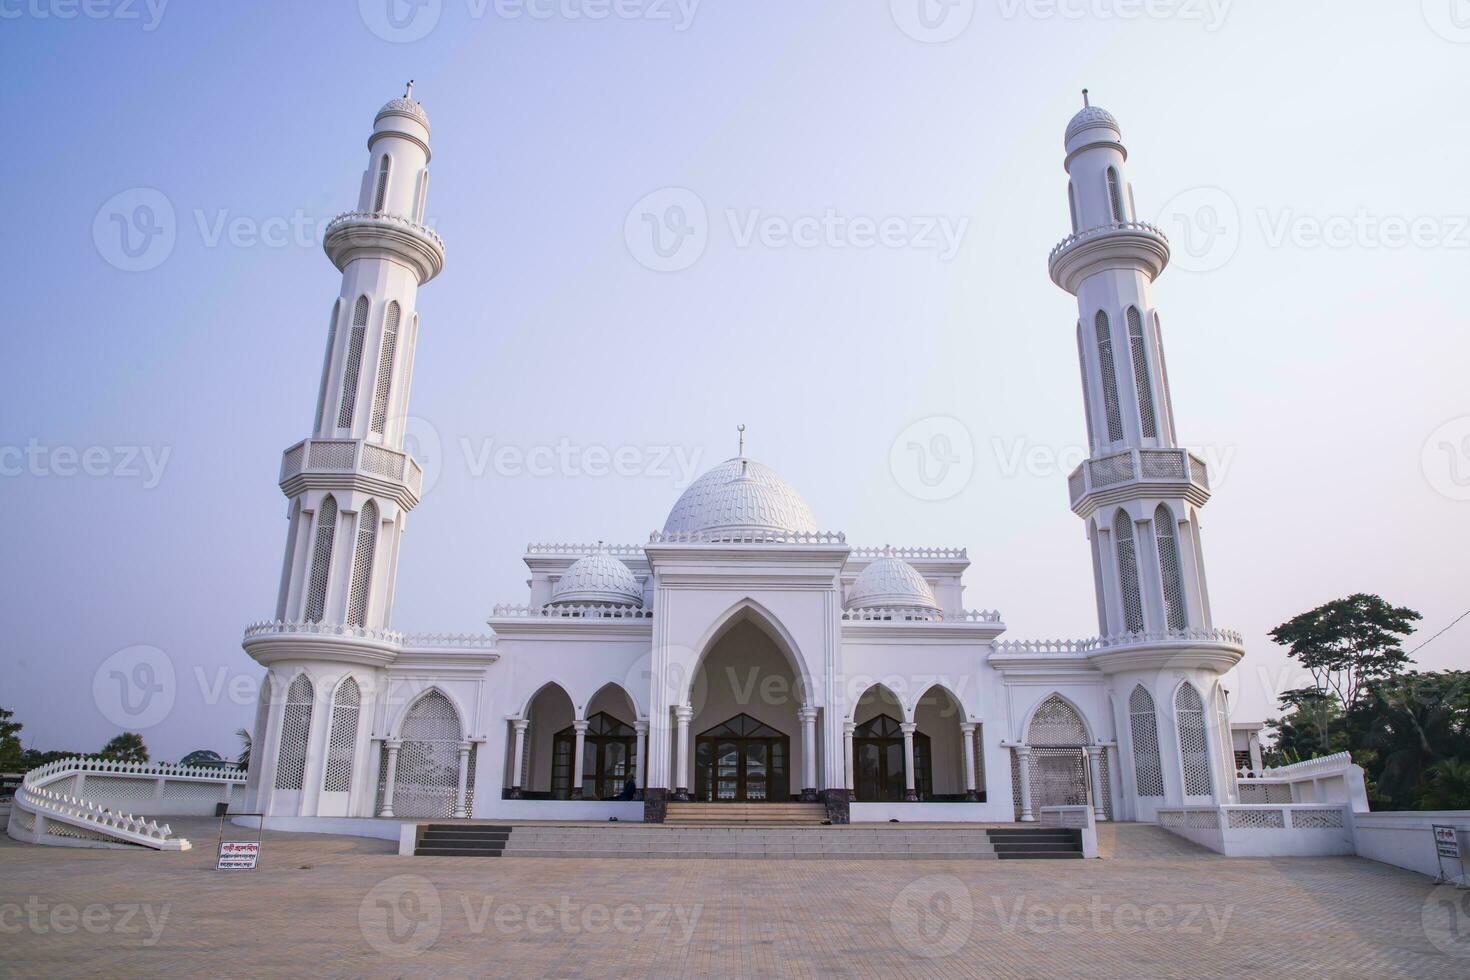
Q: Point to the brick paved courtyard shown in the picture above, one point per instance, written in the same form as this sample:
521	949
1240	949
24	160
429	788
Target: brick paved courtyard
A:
342	906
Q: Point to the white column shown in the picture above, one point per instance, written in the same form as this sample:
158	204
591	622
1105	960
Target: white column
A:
808	716
909	728
847	730
683	714
1023	762
460	810
1094	773
580	726
390	778
520	725
640	728
967	734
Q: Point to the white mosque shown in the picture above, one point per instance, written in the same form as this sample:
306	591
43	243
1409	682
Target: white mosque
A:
742	654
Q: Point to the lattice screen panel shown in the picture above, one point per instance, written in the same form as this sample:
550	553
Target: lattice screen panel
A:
1128	573
1194	752
342	737
1056	723
180	791
295	733
379	417
1086	390
428	764
382	781
1109	378
1316	819
1140	375
362	565
353	368
1058	777
1143	723
1169	569
1016	784
1258	819
1105	780
321	560
109	789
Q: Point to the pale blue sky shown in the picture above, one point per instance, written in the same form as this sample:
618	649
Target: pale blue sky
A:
1313	374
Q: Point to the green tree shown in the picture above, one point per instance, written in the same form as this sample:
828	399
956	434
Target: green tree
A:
1410	726
10	749
1348	643
245	743
127	747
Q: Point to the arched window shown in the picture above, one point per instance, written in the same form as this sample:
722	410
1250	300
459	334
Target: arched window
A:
353	368
321	395
295	733
362	565
321	561
1194	750
1058	763
385	369
380	195
428	763
1072	206
418	209
1143	722
1109	377
342	737
1128	572
1097	579
1164	375
1115	195
1141	380
1086	389
1169	569
608	749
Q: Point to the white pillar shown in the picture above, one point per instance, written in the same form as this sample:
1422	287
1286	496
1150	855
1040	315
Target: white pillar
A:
909	728
520	725
640	728
808	716
580	726
460	793
847	730
390	778
967	734
1023	762
683	714
1094	773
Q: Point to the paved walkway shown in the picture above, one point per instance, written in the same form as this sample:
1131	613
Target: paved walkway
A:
337	906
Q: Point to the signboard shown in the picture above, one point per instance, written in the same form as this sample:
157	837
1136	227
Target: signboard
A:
1446	842
238	855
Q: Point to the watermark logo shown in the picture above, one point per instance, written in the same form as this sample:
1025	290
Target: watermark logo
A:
135	687
1445	918
1450	19
1210	13
150	12
933	916
1097	918
932	21
1204	229
421	442
667	230
933	459
1446	459
401	916
63	918
400	21
135	230
34	459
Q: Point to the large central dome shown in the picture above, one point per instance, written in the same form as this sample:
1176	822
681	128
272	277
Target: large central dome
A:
740	496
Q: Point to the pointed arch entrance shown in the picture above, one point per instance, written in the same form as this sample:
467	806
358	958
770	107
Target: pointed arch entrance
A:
742	760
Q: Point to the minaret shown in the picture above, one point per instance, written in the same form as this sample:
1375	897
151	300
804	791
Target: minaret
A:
351	484
1138	492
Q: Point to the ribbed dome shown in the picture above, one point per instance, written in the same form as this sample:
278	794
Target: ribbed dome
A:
598	579
1089	117
403	106
891	583
740	496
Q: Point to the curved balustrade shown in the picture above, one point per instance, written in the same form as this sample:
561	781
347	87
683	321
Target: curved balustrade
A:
571	612
357	217
1097	231
468	641
952	553
580	550
1096	643
717	536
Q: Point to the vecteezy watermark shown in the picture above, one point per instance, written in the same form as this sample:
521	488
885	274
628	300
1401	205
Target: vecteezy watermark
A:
148	12
1450	19
669	229
933	916
932	21
933	459
679	464
1445	918
1203	225
1210	13
135	687
1446	459
134	230
1097	917
97	919
123	462
401	916
1019	457
405	21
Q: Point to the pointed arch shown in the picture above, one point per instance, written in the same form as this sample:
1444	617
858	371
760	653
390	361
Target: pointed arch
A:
1194	748
360	589
379	419
884	697
1143	386
942	690
613	689
321	395
1086	390
1131	597
749	610
395	729
295	733
546	686
1115	195
342	736
1056	721
1170	570
1111	408
1072	206
352	369
1164	376
380	192
431	734
1143	726
321	560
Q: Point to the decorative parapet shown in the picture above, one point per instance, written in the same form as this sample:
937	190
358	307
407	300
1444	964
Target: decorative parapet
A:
1145	466
1121	243
956	554
717	536
581	550
910	614
356	233
387	637
571	612
1116	641
348	456
1097	231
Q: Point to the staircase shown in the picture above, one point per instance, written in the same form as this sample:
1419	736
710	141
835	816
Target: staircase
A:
752	842
746	815
462	840
1012	843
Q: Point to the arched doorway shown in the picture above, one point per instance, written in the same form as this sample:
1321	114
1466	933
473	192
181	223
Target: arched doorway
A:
548	713
1058	761
742	760
607	757
427	780
878	762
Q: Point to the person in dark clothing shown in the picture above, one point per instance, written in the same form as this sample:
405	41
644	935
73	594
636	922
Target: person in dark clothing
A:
630	789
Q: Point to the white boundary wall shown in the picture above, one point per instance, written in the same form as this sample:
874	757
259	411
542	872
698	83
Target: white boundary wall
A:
1405	839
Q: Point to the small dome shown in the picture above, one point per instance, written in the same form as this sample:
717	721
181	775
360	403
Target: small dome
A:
891	583
404	106
740	496
596	580
1092	117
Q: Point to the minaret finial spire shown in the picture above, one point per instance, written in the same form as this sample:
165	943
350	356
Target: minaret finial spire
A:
1085	102
741	451
408	89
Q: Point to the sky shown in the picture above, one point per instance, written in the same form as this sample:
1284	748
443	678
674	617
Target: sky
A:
1307	159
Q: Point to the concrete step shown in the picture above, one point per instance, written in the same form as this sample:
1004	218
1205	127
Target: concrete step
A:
1036	843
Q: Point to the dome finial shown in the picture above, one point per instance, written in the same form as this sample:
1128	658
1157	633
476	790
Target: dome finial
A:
1085	102
408	90
740	452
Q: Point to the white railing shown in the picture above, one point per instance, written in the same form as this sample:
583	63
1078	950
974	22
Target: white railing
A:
352	217
910	614
351	455
55	804
1147	465
949	553
717	536
1332	779
469	641
570	612
1098	231
1097	643
580	550
1247	830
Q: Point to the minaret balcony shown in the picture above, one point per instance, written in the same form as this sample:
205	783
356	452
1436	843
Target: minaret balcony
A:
1136	473
1133	245
376	234
352	464
277	642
